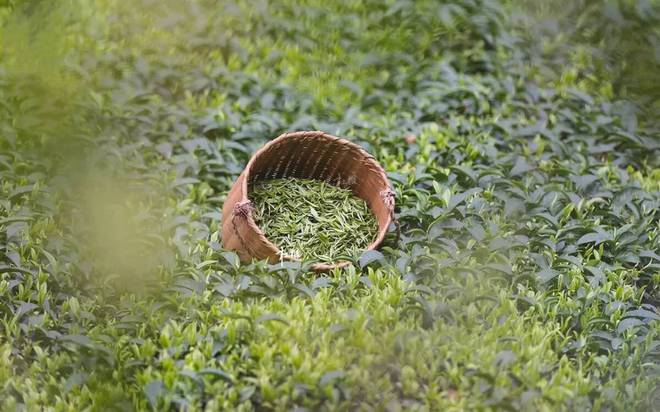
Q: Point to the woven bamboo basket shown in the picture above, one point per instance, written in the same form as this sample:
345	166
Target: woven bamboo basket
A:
310	155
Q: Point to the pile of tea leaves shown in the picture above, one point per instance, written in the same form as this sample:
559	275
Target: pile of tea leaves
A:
312	220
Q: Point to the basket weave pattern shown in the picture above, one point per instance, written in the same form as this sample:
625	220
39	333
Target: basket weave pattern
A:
309	155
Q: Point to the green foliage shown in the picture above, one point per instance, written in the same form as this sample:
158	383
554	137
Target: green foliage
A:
609	46
312	220
526	275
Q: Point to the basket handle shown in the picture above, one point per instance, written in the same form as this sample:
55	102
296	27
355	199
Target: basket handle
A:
241	212
388	198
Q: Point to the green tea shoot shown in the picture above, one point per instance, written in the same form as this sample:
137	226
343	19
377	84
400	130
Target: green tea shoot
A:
312	220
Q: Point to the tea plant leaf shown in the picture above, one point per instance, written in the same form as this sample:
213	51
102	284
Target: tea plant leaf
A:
271	317
231	258
504	358
628	323
217	373
25	307
547	274
596	237
328	377
81	340
369	257
642	313
76	379
154	390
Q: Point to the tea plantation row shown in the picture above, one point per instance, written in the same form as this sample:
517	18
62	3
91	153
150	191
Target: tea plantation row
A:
527	272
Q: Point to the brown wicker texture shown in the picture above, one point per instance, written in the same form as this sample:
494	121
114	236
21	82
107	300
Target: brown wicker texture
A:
311	155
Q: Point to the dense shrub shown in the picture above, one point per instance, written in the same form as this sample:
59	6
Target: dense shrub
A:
527	272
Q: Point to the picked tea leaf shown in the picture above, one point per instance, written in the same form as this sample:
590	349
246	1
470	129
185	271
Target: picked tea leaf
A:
312	220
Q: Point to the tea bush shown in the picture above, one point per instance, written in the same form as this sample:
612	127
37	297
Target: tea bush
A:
526	275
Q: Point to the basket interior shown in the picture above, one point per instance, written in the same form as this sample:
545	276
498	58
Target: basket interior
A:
332	160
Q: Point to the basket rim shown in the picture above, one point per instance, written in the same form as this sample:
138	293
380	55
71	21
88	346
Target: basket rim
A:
321	135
